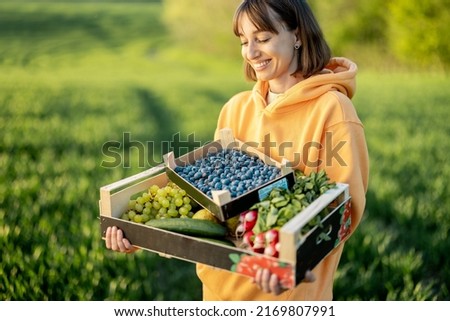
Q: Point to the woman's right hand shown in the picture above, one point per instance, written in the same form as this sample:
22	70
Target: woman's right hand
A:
115	241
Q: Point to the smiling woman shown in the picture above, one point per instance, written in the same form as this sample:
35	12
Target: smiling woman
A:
56	113
284	52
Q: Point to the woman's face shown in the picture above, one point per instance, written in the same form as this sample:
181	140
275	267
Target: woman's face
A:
271	55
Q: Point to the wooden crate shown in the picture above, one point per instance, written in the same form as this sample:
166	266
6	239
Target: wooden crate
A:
222	205
298	252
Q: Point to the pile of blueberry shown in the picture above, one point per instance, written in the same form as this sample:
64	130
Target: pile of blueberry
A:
228	169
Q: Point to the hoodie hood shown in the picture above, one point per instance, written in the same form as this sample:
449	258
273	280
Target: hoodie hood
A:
339	75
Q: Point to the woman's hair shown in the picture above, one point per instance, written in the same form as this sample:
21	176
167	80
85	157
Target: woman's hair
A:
314	53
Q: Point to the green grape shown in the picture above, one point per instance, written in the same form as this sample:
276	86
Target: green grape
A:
162	210
165	203
131	215
186	200
131	204
153	189
148	204
161	192
174	192
137	218
145	218
168	189
172	213
139	207
147	211
141	200
146	196
183	211
156	205
125	217
178	202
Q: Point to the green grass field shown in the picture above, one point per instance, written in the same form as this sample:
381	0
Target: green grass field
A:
75	76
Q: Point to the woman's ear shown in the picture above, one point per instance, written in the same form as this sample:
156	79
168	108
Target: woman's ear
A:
298	42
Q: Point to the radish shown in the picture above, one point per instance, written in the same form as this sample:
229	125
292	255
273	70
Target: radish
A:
259	243
248	238
247	221
272	236
250	219
277	247
271	250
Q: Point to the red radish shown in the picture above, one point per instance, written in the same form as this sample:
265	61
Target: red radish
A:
277	247
272	236
271	250
247	221
250	219
248	238
259	243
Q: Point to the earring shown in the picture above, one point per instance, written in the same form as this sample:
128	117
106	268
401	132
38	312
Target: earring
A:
296	46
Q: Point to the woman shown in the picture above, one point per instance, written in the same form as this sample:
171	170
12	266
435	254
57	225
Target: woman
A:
300	110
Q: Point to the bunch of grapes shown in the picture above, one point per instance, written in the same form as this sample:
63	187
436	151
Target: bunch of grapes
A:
159	202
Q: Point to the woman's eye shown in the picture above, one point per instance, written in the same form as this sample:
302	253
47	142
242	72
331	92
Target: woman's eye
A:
260	40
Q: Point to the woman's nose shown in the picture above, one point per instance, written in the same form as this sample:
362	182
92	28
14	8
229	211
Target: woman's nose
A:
252	51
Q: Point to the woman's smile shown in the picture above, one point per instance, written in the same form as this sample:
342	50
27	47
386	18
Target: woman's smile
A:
261	65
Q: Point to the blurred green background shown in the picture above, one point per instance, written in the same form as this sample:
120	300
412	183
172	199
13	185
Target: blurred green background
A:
75	75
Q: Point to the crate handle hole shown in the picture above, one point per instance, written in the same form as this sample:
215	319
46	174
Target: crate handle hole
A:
324	236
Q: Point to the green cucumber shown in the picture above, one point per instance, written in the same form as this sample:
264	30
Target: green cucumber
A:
189	226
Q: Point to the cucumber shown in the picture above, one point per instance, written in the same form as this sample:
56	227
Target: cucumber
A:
189	226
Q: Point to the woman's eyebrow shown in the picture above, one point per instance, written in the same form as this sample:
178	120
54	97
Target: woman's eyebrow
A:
253	33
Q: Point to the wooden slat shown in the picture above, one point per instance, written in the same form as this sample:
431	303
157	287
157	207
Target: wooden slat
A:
114	197
227	138
221	197
134	178
290	235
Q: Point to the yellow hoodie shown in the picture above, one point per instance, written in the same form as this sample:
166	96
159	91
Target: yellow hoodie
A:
314	125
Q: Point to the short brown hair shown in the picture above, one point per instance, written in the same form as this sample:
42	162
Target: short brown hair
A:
314	53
